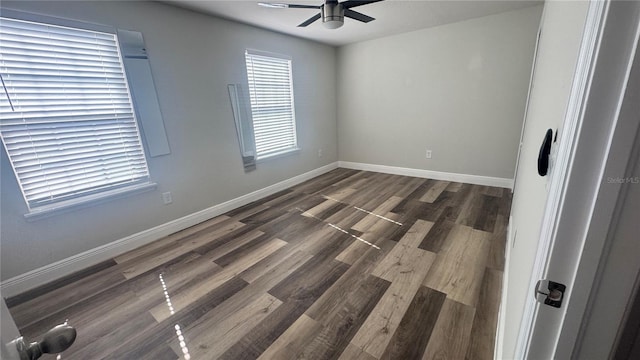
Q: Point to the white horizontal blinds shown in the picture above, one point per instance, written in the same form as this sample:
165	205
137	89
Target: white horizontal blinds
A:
66	117
271	93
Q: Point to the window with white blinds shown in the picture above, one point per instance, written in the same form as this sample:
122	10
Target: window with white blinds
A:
66	116
271	94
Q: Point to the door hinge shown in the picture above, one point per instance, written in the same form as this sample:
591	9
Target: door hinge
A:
550	292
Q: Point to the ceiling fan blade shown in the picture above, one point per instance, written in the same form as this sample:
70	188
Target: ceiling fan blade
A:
287	6
295	6
357	16
310	20
353	3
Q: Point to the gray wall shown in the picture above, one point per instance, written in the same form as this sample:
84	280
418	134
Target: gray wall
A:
193	57
457	89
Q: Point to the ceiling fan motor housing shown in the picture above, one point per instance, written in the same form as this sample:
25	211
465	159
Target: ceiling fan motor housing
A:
332	15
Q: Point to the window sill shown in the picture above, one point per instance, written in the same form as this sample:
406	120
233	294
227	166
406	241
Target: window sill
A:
278	155
87	201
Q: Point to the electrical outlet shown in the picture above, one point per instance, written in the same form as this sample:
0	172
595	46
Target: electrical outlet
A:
166	198
428	154
320	152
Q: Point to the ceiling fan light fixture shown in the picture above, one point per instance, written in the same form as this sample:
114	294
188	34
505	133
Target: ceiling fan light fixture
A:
332	15
332	24
332	12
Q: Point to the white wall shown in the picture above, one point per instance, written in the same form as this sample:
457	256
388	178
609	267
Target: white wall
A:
457	89
562	26
193	57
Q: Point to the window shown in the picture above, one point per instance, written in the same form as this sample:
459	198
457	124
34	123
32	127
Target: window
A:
66	116
271	94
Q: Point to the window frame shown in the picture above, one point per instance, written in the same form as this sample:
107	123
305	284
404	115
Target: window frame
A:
296	146
98	196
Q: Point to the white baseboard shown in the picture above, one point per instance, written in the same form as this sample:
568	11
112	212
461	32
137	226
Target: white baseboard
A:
499	342
437	175
64	267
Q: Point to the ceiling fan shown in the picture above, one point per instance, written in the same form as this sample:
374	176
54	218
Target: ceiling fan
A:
332	12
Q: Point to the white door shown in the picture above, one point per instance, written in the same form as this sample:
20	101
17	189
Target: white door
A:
562	26
581	201
9	331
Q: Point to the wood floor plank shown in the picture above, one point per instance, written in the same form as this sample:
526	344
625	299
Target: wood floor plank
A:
459	267
410	186
374	237
271	327
438	234
505	204
187	244
411	338
262	217
372	195
399	259
450	336
265	265
143	251
185	271
305	203
486	220
317	210
239	241
184	298
147	290
346	218
304	280
238	254
101	346
472	207
484	327
377	331
320	239
334	297
375	216
355	251
213	339
290	342
352	352
230	237
422	189
498	242
339	327
454	187
292	227
82	315
140	345
28	295
339	193
323	181
288	200
434	192
242	298
38	308
493	191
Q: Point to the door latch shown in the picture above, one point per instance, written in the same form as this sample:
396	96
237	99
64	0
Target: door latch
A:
550	292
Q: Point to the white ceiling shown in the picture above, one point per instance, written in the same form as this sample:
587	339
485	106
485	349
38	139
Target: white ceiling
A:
392	16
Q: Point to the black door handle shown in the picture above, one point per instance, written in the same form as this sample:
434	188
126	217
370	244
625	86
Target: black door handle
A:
543	156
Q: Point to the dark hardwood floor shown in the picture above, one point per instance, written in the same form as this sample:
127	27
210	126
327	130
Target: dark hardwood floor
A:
349	265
